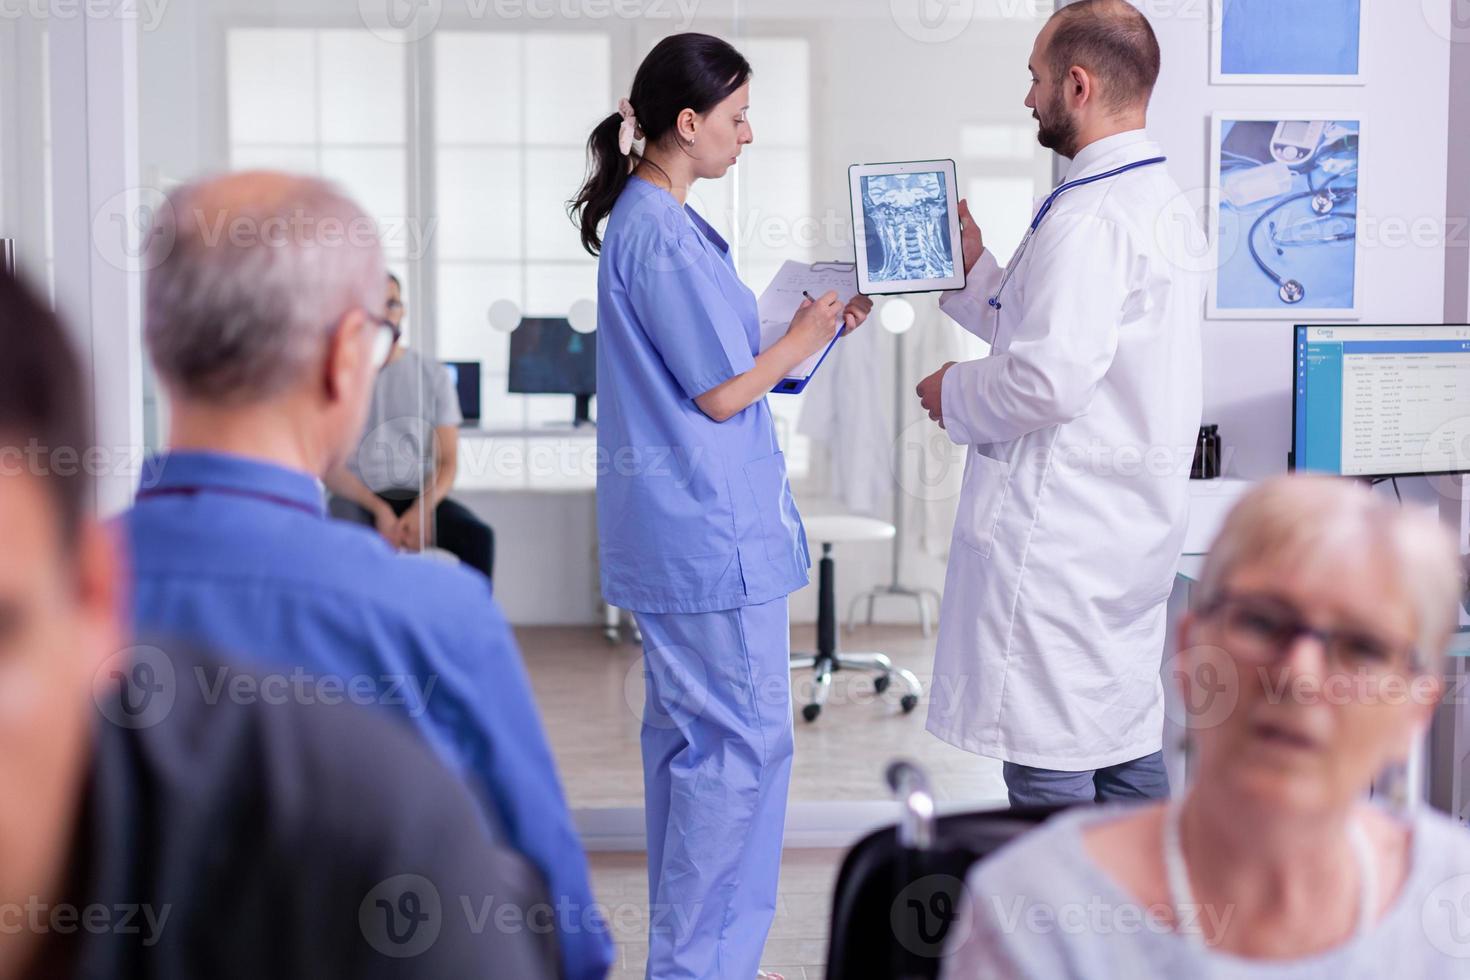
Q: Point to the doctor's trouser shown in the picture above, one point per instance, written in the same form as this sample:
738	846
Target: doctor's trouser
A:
717	746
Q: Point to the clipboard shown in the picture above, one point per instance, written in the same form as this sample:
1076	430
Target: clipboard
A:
778	304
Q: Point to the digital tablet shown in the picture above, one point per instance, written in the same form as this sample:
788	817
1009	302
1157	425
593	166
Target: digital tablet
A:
906	226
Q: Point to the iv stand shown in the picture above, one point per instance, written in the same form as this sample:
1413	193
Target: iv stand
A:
896	587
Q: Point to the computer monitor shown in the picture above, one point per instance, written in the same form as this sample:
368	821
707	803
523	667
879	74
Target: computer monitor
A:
548	357
466	377
1379	401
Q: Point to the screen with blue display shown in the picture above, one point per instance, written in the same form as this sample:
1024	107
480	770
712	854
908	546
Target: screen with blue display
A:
548	357
1290	37
1385	401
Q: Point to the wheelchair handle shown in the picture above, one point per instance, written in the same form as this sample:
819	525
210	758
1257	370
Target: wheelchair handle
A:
910	786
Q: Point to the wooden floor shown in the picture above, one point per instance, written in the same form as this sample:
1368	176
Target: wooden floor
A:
591	697
590	693
797	948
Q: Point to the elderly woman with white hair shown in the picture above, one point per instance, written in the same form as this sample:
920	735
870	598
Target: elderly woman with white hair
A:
1312	662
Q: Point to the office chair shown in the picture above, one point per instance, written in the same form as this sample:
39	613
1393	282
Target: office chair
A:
901	888
831	529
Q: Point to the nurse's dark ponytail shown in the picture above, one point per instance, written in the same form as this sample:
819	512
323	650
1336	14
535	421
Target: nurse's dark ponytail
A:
683	71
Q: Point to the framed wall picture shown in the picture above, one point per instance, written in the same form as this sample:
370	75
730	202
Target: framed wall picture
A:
1284	216
1291	42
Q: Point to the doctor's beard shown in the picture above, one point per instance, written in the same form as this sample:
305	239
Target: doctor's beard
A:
1059	130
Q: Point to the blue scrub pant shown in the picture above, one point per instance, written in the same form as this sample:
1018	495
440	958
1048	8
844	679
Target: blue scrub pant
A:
717	747
1144	778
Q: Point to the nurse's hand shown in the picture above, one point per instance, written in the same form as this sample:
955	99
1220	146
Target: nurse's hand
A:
971	242
929	391
855	313
815	323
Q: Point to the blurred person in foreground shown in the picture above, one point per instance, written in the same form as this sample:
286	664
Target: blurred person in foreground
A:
266	338
149	830
1312	661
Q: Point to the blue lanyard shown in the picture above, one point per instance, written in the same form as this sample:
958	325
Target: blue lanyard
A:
194	491
1046	207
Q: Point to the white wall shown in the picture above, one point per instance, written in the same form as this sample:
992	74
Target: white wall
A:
545	554
1457	191
1403	107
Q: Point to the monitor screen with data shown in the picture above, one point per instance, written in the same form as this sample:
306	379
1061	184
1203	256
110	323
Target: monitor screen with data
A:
1382	401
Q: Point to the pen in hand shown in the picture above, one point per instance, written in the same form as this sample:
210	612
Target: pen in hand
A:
841	323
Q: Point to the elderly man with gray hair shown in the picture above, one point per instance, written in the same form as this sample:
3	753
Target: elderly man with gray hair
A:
1312	662
259	320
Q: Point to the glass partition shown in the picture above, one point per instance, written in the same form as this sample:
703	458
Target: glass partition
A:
462	132
25	147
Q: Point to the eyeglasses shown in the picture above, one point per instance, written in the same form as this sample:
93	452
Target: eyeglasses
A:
385	338
1261	628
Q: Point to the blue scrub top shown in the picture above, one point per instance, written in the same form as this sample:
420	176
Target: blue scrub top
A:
693	515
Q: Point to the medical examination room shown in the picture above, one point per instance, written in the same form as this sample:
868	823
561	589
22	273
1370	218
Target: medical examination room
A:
733	489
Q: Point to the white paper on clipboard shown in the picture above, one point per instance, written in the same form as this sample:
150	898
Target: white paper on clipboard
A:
778	304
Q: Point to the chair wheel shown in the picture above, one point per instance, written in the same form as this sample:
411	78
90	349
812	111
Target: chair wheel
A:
880	683
908	702
810	711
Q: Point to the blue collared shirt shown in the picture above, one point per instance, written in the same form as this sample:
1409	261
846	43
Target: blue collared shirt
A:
693	515
238	554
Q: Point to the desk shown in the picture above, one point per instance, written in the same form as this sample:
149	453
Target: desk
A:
1448	741
1176	737
1209	502
537	487
548	459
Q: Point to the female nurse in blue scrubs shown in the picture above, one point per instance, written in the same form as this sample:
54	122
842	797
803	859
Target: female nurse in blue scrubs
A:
698	532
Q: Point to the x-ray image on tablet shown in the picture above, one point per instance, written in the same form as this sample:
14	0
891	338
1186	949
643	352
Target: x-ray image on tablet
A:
906	227
908	237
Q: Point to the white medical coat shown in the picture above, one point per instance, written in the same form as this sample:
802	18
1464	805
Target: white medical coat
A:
1072	513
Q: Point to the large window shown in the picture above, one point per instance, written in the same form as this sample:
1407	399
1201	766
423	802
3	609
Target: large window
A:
510	130
25	149
1004	163
500	151
763	205
328	102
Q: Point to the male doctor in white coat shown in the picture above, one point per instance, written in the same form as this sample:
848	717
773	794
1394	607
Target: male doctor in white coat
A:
1081	426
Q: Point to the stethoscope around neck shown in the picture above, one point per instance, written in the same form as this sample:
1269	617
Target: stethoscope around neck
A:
1046	207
